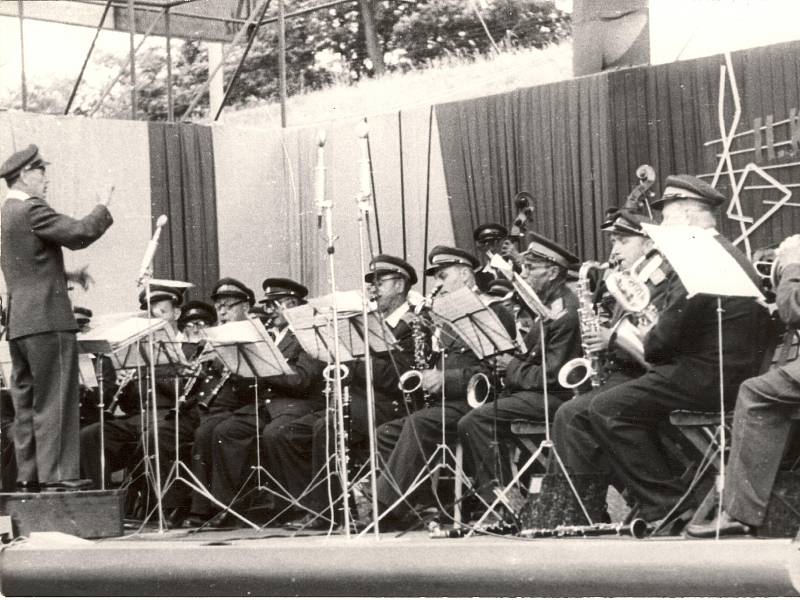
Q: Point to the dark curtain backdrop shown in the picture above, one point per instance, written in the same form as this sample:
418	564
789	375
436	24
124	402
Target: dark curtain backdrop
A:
182	187
576	145
551	140
664	116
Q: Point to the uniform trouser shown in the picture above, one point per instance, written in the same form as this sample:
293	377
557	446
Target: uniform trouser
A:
176	494
623	423
406	444
122	441
203	450
286	451
44	389
761	428
476	431
324	444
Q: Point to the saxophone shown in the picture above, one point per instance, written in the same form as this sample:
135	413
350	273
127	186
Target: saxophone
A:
411	380
589	366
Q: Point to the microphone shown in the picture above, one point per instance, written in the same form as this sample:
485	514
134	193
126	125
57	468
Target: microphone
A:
150	252
364	171
319	181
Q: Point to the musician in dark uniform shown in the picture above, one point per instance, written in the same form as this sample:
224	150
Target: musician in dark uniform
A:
41	326
761	423
682	350
405	444
104	373
122	436
299	452
284	398
492	238
631	251
195	316
545	266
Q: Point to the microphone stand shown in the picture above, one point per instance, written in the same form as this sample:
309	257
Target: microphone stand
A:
325	207
362	199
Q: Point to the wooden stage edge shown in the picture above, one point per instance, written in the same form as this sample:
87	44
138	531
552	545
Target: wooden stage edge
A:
268	563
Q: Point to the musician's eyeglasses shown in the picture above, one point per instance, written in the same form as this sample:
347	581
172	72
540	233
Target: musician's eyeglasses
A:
227	306
195	325
383	280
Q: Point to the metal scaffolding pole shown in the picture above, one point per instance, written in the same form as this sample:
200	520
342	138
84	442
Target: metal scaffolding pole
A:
282	58
23	83
170	99
132	29
86	60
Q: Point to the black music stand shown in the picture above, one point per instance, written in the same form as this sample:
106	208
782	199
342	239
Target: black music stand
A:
462	312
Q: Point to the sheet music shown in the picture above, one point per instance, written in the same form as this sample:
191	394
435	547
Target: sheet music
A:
314	331
117	334
247	350
5	363
477	325
87	375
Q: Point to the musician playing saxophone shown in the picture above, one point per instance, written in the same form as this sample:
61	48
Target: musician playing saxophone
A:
300	449
408	442
612	437
545	266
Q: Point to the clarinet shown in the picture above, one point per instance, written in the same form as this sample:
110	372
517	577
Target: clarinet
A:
205	406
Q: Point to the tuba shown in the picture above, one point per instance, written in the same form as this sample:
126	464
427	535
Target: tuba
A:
577	371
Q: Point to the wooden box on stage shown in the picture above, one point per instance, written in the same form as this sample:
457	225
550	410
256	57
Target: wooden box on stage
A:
87	514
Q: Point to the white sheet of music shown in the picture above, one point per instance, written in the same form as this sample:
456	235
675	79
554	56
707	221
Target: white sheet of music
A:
314	331
476	324
247	350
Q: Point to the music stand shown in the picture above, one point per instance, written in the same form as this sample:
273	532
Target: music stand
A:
119	339
463	313
681	245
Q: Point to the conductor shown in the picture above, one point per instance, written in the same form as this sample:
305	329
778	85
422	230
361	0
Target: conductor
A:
41	325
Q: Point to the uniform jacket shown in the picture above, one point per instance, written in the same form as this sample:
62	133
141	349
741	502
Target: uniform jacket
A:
562	337
683	346
33	263
788	301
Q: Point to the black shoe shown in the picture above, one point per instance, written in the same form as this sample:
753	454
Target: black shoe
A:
28	487
224	520
195	521
67	485
727	526
177	516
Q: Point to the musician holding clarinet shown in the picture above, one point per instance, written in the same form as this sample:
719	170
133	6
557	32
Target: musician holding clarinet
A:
41	326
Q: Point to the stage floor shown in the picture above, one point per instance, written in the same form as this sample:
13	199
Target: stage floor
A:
274	562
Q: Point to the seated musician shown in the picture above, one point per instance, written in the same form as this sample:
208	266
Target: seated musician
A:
617	431
285	398
544	267
123	435
492	238
104	372
300	450
761	420
407	443
194	318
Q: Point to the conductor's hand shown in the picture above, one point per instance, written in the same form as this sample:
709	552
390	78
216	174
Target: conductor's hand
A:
432	380
81	277
597	341
107	201
789	251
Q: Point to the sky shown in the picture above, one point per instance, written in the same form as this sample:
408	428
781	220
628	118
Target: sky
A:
679	29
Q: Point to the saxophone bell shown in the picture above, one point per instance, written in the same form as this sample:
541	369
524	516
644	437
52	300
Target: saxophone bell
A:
410	381
479	389
329	372
576	372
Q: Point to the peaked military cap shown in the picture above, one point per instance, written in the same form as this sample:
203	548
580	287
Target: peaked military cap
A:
688	187
82	314
545	249
500	288
385	264
488	232
159	293
446	256
28	158
281	287
195	311
624	222
228	287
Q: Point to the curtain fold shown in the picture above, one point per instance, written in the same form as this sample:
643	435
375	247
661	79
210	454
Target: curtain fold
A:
553	141
183	188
